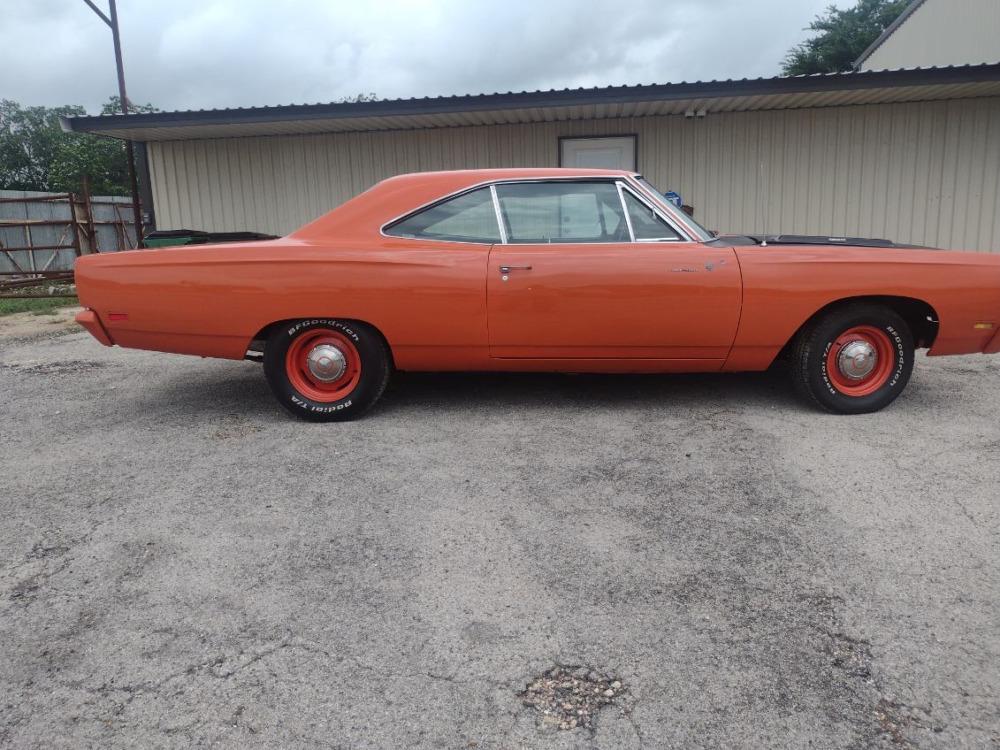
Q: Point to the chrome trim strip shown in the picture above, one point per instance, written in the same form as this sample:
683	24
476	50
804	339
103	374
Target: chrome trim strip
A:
431	204
675	214
485	183
496	210
626	182
628	219
682	236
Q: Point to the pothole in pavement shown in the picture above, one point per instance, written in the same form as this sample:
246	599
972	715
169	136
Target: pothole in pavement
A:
234	426
567	697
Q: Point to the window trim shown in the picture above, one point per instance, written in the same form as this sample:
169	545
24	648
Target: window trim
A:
606	180
437	202
680	235
621	182
628	219
641	184
498	213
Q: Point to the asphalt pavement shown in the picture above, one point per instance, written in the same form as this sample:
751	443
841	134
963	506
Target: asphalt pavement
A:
183	564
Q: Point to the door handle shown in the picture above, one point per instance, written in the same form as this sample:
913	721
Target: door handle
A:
508	269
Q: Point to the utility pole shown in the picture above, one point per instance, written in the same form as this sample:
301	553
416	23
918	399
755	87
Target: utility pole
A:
129	148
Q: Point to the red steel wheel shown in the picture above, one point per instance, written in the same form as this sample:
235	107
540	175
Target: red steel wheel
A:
855	358
325	369
860	361
323	365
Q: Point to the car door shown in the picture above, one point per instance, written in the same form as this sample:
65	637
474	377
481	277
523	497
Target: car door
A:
589	270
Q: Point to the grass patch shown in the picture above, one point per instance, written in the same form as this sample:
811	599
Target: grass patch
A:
37	306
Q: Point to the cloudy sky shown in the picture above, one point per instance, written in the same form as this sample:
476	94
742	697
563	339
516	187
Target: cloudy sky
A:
190	54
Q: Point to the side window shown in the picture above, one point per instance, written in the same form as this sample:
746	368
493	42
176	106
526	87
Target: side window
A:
646	225
469	217
614	220
536	212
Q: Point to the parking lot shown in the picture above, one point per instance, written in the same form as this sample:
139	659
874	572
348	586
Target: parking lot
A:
182	563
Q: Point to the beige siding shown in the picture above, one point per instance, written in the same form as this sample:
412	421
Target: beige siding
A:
940	33
916	172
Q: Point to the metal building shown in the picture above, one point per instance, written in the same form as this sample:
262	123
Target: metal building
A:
938	33
911	155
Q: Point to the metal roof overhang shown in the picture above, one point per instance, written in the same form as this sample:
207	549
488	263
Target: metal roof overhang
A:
827	90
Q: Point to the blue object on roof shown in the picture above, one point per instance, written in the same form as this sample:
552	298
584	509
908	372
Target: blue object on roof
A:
674	198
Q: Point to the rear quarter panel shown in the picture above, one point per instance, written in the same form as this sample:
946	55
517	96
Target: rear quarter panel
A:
212	300
783	286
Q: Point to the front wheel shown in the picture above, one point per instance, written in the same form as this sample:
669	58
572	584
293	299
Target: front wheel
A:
853	360
326	370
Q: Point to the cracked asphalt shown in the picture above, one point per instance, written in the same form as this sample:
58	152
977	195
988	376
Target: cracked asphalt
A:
182	564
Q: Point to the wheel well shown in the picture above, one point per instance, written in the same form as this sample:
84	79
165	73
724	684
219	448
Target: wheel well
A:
920	317
259	341
260	338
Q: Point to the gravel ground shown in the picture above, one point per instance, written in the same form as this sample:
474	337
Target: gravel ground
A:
181	563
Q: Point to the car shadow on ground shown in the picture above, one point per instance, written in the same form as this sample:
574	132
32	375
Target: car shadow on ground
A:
245	391
506	390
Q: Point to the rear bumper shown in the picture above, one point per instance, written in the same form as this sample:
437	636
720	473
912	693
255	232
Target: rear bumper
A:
89	320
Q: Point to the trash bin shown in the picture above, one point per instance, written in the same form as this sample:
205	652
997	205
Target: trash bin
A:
168	237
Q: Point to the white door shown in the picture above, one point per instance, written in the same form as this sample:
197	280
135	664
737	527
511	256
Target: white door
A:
599	153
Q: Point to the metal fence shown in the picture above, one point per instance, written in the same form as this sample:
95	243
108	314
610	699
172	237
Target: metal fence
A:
42	234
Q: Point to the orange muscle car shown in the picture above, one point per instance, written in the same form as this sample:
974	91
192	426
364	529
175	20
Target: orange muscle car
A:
568	270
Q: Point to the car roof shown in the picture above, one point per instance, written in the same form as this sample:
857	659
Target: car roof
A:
396	196
507	173
455	180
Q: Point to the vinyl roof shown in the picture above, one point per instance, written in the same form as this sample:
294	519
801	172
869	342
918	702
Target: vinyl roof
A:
821	90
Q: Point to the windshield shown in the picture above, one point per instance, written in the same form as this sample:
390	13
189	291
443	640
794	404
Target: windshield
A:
701	234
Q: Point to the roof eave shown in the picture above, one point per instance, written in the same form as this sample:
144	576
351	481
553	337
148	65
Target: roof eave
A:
794	85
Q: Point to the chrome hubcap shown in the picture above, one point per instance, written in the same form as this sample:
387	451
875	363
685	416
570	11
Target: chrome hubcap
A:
857	359
326	362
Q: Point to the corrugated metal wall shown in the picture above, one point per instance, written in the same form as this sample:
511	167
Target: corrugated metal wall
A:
24	206
940	33
915	172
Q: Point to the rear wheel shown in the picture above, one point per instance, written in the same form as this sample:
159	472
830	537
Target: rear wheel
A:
326	370
854	359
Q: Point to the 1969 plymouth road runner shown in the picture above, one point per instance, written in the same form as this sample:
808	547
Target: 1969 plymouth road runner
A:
567	270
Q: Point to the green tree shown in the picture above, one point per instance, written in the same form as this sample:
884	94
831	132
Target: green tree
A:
29	140
35	153
100	159
358	98
841	36
113	106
